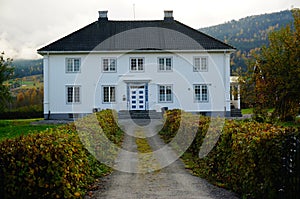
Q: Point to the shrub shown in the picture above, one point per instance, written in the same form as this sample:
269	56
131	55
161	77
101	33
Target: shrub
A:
246	159
50	164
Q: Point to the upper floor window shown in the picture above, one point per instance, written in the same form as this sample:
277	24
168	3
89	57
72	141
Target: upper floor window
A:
73	94
200	64
165	64
73	65
136	64
109	65
165	93
200	93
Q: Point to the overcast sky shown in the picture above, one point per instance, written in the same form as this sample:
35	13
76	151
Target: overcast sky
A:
26	25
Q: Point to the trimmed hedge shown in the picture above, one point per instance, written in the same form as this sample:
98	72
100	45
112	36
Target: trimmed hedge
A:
247	158
50	164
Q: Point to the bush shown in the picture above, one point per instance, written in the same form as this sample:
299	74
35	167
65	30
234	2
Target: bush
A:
50	164
246	159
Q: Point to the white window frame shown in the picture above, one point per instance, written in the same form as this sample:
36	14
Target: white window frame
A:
109	94
137	64
109	60
164	100
71	68
199	97
163	68
201	65
76	99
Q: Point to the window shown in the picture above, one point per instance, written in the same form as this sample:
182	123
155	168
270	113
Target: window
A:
136	64
164	64
200	64
73	94
73	65
109	94
109	64
165	93
201	93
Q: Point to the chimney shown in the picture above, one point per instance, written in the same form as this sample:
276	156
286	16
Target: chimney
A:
169	15
103	16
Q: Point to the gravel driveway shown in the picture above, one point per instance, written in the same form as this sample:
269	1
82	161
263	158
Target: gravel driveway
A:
133	177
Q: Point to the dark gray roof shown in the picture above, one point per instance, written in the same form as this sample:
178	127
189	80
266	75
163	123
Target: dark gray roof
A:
136	35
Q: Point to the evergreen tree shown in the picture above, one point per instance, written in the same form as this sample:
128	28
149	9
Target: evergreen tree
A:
6	73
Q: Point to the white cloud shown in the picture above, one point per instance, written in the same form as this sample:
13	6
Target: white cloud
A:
27	25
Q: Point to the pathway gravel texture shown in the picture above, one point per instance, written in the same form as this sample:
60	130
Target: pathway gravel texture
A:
133	177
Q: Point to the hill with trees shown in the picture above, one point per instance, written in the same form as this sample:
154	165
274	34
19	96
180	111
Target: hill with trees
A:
24	68
248	33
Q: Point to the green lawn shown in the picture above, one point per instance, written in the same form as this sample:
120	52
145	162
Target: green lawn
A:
15	128
247	111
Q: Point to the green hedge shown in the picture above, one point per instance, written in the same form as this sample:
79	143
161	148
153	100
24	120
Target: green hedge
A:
247	158
50	164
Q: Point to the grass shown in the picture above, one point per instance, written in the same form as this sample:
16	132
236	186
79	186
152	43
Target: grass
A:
247	111
15	128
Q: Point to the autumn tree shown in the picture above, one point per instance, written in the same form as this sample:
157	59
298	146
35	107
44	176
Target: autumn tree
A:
6	73
273	78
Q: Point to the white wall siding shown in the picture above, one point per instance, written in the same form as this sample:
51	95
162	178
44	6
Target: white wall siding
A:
182	78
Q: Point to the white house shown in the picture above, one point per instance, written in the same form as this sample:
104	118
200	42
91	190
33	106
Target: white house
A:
136	65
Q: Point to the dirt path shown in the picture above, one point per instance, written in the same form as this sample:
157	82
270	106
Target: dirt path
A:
135	180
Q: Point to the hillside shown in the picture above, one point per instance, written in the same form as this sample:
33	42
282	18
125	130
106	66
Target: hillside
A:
245	34
248	33
25	68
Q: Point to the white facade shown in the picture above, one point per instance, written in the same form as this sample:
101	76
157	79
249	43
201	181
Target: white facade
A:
136	90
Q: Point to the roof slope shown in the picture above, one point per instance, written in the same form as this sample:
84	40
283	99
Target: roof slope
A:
136	35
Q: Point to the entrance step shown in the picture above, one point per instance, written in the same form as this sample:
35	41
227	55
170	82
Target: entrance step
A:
150	114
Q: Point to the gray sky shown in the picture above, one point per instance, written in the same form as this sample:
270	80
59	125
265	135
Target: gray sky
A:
26	25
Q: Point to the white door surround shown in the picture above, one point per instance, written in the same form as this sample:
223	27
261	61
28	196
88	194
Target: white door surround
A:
137	97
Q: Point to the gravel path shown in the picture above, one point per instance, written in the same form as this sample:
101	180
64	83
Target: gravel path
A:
172	181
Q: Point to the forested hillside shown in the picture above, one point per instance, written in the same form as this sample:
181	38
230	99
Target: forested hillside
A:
25	68
248	33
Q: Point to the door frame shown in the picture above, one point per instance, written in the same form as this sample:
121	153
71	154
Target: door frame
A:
135	84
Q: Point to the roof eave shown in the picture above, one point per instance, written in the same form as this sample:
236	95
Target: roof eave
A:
139	51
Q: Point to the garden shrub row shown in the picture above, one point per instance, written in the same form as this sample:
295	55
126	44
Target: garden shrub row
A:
53	163
246	159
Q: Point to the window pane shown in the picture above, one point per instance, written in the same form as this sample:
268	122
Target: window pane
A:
204	93
105	64
112	65
133	64
140	64
76	94
112	94
196	64
203	63
76	65
161	62
105	94
169	93
70	94
69	65
168	64
197	93
162	93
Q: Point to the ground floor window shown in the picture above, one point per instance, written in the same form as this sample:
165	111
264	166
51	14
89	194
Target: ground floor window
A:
73	94
200	93
165	93
109	94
